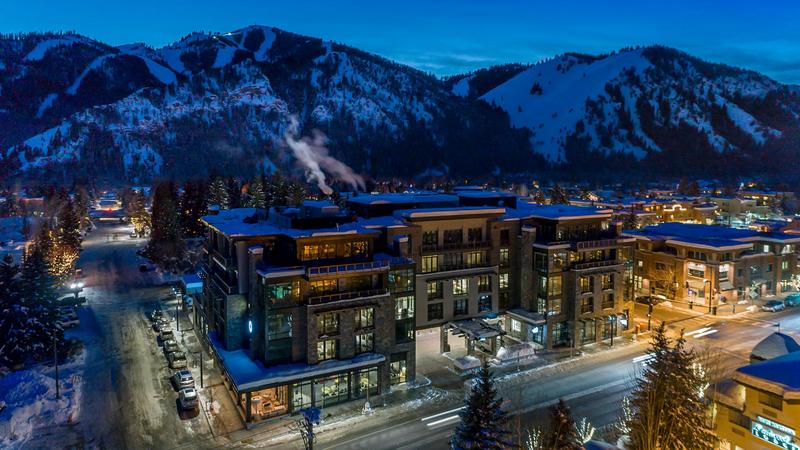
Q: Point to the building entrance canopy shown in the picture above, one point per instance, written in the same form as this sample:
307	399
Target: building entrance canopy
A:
474	329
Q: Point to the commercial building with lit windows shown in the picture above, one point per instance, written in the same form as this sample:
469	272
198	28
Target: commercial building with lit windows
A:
308	306
712	266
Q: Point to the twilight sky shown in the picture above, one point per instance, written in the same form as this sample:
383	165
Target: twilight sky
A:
453	36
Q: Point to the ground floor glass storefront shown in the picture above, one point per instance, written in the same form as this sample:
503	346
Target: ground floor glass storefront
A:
321	392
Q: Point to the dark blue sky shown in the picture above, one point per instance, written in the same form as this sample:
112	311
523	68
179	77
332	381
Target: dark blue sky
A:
451	36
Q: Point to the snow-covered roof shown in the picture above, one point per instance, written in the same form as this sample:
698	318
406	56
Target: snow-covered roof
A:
773	346
231	222
403	198
779	375
711	236
249	374
446	213
558	212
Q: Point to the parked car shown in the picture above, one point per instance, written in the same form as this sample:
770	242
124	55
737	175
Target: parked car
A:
156	315
170	346
183	379
792	300
773	306
166	334
157	326
177	360
187	398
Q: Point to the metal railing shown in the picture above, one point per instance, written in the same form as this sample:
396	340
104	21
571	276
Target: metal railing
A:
455	246
596	264
595	244
353	267
223	285
316	300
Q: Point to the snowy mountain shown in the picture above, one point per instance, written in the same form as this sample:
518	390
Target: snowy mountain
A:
648	104
221	103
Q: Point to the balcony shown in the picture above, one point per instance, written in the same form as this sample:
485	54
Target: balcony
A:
596	264
223	284
462	266
455	246
220	259
595	244
348	268
329	298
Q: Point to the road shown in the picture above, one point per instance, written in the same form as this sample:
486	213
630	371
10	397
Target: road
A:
128	402
593	388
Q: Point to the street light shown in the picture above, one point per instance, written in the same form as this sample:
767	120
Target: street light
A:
707	282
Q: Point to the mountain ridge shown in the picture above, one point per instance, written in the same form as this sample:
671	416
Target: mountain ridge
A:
76	106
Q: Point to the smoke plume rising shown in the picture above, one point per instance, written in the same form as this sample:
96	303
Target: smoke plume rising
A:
313	155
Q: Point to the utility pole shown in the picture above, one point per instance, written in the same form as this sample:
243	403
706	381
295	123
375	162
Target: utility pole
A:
55	360
177	319
201	369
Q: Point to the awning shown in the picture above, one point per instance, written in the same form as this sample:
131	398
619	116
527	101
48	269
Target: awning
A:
758	281
524	315
475	329
725	286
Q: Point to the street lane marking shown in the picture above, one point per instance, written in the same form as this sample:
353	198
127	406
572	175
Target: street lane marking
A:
425	419
644	359
705	333
698	331
442	421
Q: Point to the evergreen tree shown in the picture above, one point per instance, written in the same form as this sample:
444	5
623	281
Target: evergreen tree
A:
630	221
14	336
562	434
82	204
166	248
585	193
483	421
558	196
667	408
193	208
218	193
65	243
69	226
38	296
256	195
296	193
234	193
539	198
137	214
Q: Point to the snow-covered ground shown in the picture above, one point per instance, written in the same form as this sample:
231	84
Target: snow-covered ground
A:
31	406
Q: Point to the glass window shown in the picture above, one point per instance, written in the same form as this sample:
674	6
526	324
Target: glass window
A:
322	287
430	238
587	284
328	323
460	307
608	281
608	300
540	262
404	307
283	291
461	286
484	283
484	303
327	349
554	306
587	305
365	317
516	325
504	257
475	234
356	248
397	371
434	290
301	395
505	237
435	311
367	379
502	281
279	326
474	259
333	389
364	342
310	252
401	280
560	260
327	251
430	263
554	286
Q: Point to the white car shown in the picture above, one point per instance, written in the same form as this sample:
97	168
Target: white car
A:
68	320
177	360
773	306
187	397
183	379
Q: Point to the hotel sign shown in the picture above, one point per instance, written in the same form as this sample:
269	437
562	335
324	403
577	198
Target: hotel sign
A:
774	433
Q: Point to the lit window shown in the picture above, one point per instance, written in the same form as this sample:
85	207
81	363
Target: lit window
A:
461	286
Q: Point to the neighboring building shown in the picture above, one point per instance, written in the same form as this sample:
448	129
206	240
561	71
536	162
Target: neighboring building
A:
775	345
708	265
759	408
579	291
377	205
305	307
652	211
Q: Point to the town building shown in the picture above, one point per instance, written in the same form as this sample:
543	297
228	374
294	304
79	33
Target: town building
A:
709	266
759	407
305	306
579	289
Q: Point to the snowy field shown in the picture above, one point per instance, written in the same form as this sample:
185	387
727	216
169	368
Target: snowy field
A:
31	407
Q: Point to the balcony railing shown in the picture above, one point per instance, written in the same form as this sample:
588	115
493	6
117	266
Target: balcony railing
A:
462	266
348	268
455	246
223	284
596	264
316	300
595	244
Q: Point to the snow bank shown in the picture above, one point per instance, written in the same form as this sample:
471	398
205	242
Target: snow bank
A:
43	47
46	104
29	397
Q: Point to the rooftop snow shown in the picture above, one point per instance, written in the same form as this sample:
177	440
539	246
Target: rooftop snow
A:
403	198
557	212
777	375
710	235
448	212
249	374
231	223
